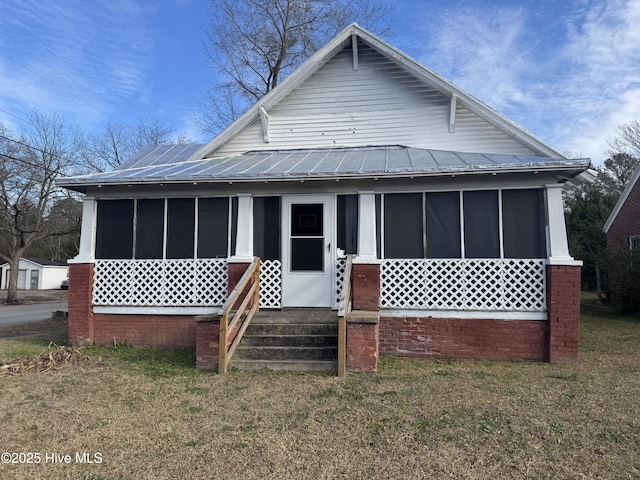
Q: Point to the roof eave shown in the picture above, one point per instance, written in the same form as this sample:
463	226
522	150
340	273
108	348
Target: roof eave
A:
573	170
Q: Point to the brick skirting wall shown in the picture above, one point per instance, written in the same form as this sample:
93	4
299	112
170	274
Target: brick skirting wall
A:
463	338
167	331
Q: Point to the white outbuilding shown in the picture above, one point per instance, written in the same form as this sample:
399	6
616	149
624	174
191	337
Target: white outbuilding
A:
36	274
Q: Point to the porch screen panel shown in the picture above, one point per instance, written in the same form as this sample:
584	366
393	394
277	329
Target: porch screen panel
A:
481	224
523	223
234	224
403	225
114	229
348	223
181	217
443	225
379	224
149	228
266	227
213	227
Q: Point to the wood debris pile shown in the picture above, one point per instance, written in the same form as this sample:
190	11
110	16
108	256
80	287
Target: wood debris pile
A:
56	358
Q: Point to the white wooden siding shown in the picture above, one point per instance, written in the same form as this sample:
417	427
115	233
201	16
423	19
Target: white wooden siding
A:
378	104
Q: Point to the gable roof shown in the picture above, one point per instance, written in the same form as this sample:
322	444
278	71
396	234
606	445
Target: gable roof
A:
352	34
623	198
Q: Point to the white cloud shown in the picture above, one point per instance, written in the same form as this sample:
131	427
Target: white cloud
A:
568	72
76	58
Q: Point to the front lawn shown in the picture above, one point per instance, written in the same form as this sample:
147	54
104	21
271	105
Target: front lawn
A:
151	414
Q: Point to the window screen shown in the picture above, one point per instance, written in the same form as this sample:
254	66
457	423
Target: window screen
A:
348	223
266	227
114	229
149	228
481	224
213	227
523	223
403	225
443	225
180	227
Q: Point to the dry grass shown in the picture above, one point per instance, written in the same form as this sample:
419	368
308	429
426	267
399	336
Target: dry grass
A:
150	414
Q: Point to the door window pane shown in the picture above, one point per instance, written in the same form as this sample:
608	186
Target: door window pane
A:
114	229
307	254
306	220
481	224
149	228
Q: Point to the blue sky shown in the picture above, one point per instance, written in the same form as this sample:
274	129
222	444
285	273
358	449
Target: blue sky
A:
566	70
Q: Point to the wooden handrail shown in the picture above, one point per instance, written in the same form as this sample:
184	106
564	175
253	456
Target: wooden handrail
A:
343	310
241	318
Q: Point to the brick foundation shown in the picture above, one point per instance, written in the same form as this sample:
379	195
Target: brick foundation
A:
463	338
167	331
81	321
563	305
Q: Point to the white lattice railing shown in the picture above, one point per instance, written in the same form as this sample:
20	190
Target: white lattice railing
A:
464	284
271	284
160	283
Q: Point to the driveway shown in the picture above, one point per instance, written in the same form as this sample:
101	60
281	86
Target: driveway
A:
30	312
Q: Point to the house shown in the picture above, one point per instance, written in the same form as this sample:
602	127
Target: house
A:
453	213
622	230
36	274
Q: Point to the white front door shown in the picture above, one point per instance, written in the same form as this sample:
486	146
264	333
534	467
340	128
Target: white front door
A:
307	267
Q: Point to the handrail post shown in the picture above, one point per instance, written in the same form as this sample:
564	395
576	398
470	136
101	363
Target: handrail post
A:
343	311
222	347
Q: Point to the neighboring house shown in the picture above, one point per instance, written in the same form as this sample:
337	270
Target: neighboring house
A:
622	229
36	274
453	212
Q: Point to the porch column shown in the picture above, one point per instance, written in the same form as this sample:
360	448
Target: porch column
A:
80	318
86	253
363	337
244	234
557	245
367	228
563	283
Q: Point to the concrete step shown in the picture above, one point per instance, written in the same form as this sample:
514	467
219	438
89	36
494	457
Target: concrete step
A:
297	316
285	353
300	329
293	340
289	365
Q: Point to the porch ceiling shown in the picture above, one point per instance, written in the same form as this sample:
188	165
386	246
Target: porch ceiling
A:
171	164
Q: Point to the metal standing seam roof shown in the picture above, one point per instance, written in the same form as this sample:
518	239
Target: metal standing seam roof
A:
171	163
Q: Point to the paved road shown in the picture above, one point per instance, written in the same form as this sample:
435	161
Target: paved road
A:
35	312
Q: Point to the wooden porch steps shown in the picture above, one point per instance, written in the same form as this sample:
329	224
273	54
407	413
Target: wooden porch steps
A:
297	339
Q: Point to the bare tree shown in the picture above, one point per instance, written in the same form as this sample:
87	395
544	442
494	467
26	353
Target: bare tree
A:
117	142
29	165
628	139
254	44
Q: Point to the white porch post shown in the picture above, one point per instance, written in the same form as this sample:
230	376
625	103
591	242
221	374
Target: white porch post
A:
87	250
557	245
367	228
244	234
